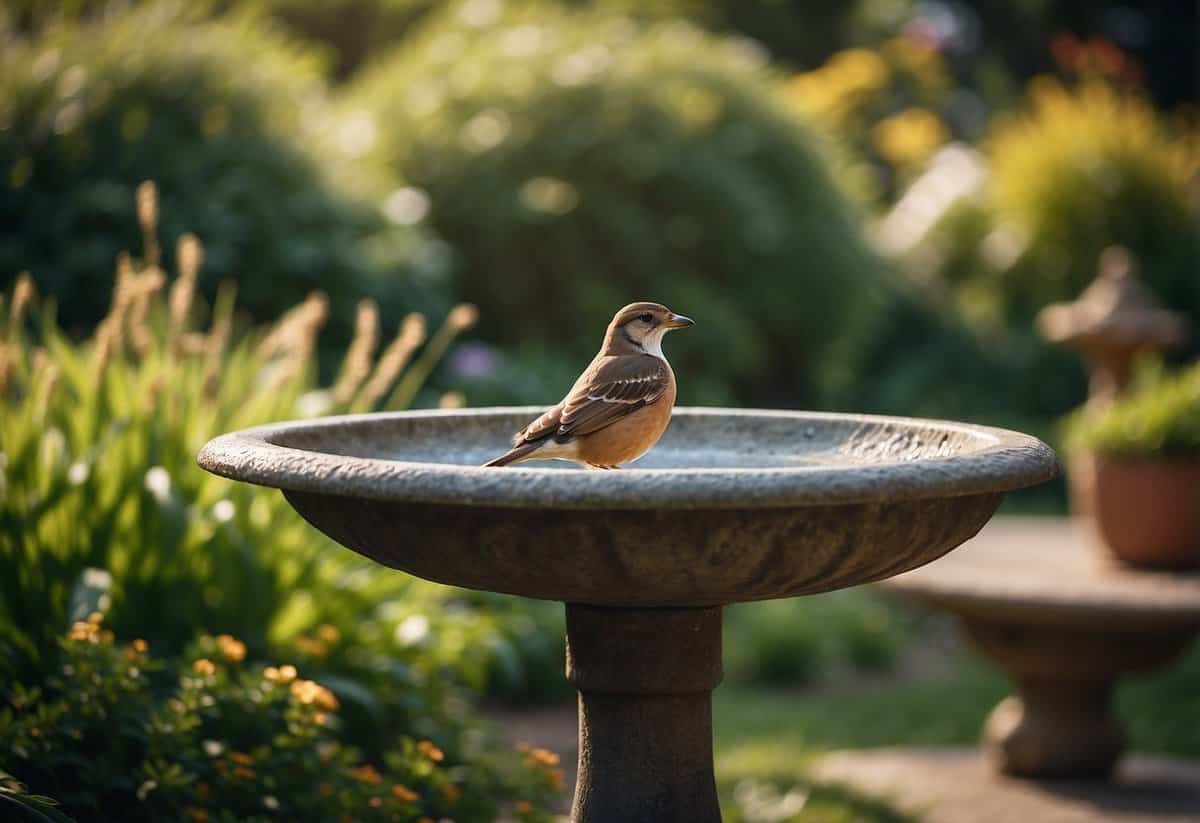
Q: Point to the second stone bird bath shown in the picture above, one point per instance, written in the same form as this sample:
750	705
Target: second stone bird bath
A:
730	506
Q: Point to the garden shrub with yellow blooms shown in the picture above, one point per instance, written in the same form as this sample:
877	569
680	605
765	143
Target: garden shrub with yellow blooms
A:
120	734
1084	169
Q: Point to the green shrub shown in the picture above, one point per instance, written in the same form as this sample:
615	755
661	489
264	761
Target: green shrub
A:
221	113
785	642
1159	416
103	507
575	161
119	735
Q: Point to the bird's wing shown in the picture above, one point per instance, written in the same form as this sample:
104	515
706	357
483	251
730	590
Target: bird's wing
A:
612	387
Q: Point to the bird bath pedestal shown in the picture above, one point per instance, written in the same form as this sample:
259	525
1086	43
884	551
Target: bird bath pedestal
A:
730	506
1066	621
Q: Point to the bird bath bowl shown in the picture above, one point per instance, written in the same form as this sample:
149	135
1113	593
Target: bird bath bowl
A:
730	506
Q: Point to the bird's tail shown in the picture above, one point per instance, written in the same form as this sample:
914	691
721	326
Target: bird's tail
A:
514	454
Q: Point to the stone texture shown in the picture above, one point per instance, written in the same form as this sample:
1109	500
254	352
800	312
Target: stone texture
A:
958	786
1067	621
734	506
709	458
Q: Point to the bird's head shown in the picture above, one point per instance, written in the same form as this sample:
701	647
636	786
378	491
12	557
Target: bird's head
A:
642	326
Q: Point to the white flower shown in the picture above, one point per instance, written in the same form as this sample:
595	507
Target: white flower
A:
412	630
158	483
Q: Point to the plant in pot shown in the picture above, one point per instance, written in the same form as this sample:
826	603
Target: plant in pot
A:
1144	451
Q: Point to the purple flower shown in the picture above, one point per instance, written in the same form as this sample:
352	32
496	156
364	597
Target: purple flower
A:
474	360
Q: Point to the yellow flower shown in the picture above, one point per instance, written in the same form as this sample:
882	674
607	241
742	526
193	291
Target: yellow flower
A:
431	751
404	794
204	666
858	69
140	646
909	136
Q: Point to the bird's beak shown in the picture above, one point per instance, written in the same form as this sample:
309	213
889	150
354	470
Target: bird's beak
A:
678	321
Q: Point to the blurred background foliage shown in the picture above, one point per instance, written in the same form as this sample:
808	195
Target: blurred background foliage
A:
222	113
863	204
571	160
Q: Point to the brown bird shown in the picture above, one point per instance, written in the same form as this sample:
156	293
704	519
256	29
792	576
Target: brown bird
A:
619	406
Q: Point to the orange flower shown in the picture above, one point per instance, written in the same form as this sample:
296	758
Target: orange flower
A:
140	646
284	674
431	751
375	802
203	666
404	794
366	773
199	815
244	772
329	633
83	631
558	779
308	692
231	648
544	756
241	758
452	793
524	807
310	647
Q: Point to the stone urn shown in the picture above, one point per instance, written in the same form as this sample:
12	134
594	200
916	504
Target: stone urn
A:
731	506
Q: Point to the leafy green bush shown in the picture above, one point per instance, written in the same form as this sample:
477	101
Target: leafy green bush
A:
221	113
103	507
574	161
119	735
1159	416
784	642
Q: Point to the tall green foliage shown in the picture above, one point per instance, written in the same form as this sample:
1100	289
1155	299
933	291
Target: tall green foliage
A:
102	499
575	161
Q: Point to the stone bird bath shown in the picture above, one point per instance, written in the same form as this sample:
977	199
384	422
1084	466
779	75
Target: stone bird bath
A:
730	506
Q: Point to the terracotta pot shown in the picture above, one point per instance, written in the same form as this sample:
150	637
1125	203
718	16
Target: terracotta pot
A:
1147	511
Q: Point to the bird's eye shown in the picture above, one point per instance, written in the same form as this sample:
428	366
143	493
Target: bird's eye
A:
647	318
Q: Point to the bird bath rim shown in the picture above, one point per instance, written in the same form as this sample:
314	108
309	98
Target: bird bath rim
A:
878	459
